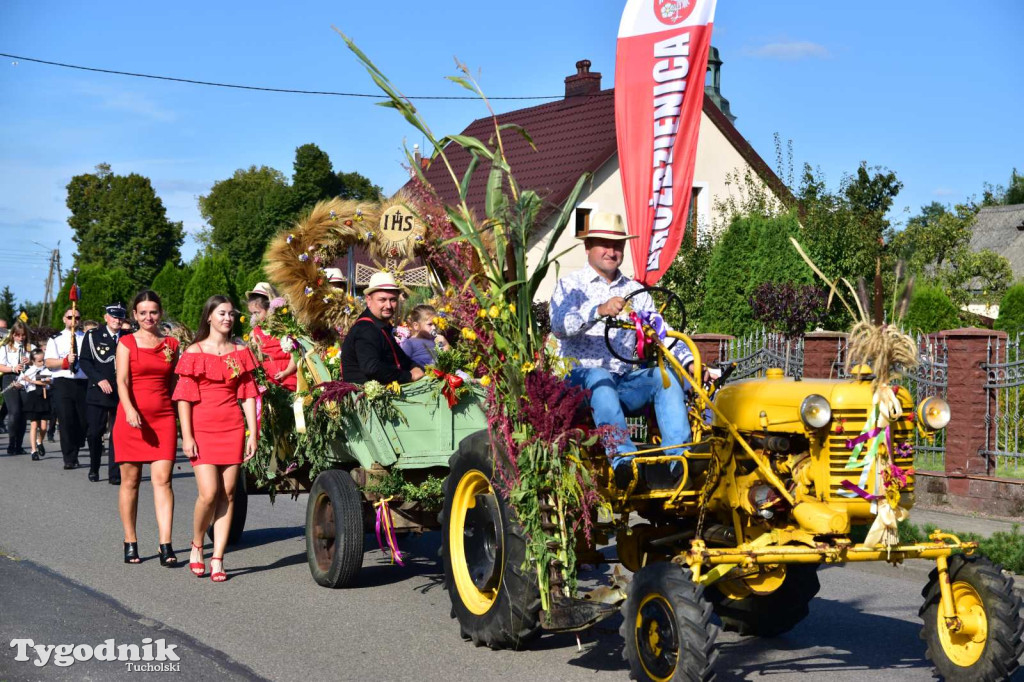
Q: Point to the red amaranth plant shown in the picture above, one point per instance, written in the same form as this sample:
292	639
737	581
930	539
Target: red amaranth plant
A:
550	406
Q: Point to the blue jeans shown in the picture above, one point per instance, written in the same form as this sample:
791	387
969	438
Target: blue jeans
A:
610	393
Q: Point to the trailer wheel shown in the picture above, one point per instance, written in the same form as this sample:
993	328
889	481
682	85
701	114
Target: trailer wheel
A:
483	551
238	513
770	615
989	643
666	624
334	529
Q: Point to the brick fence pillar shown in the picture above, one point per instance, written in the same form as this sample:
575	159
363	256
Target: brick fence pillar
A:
822	352
965	435
712	347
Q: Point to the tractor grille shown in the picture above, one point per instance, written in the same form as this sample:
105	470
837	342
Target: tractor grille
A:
839	454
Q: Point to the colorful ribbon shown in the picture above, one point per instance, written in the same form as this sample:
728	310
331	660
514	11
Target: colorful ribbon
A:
448	390
384	520
859	492
653	320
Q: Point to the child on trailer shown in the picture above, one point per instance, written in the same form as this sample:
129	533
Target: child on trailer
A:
424	341
35	381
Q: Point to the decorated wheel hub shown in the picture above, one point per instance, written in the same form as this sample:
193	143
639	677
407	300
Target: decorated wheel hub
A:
657	640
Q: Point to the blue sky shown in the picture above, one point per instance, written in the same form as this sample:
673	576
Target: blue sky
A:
926	89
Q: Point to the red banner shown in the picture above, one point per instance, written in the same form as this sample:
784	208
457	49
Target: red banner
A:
662	55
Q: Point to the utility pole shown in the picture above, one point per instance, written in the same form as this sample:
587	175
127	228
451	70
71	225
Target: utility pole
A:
47	309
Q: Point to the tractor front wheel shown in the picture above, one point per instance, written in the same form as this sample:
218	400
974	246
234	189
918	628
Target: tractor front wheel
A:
751	613
987	642
666	623
483	551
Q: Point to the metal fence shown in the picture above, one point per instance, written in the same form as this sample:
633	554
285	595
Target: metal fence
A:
1004	421
929	378
759	351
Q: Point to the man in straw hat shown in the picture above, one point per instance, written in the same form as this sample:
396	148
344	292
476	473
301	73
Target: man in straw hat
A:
370	351
580	302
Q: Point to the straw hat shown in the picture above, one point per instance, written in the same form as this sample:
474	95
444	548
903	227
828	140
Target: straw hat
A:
334	275
263	289
606	226
382	281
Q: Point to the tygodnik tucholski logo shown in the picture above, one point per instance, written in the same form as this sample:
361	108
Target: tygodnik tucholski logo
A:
150	656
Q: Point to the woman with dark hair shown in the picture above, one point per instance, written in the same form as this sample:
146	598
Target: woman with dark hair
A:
14	353
144	427
215	373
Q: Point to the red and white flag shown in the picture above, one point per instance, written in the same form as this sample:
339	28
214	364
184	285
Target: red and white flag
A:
662	55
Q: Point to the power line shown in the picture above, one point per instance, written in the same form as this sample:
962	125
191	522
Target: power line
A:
291	91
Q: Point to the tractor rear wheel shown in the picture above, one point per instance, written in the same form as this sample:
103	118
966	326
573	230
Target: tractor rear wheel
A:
772	614
666	624
483	551
989	643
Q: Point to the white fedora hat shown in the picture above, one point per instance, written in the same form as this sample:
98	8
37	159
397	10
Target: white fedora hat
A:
334	275
263	289
605	226
382	281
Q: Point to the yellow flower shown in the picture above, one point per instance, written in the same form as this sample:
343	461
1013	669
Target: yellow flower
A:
448	309
494	311
394	387
528	367
512	308
468	334
485	381
241	319
440	323
449	292
332	351
284	310
245	337
482	312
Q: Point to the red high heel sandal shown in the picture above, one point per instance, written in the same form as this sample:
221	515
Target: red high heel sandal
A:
198	568
217	576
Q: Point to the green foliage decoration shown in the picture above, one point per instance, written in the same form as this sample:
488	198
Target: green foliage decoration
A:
393	483
930	310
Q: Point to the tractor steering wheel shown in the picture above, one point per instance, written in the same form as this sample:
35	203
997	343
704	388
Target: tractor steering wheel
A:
665	303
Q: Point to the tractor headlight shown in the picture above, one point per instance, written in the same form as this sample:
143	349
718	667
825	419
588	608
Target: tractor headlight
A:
815	412
933	413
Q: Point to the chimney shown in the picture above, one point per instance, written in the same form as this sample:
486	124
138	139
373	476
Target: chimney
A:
583	82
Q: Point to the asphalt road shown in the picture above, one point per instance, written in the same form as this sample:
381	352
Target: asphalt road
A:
62	580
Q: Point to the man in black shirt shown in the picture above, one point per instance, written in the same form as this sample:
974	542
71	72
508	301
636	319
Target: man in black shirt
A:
370	352
99	348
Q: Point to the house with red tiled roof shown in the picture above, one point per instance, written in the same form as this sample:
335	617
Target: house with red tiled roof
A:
576	135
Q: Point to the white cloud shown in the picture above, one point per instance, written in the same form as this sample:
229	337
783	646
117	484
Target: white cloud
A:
789	50
943	192
115	99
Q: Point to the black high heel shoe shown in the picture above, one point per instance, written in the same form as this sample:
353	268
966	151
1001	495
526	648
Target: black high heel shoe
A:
131	553
167	556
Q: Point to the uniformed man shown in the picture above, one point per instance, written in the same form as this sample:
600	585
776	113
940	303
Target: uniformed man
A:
99	346
68	386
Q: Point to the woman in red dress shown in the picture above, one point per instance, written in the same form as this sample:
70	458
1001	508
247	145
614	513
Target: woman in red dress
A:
144	428
214	373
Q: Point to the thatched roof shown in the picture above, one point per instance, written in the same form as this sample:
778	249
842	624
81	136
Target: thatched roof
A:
1001	229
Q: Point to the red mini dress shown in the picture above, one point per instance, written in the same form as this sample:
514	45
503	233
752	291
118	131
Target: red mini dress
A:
151	376
214	384
275	359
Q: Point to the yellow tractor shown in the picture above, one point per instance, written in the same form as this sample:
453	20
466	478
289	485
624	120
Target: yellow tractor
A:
782	476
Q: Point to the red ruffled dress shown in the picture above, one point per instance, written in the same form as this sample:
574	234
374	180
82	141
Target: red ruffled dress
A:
152	372
275	359
214	384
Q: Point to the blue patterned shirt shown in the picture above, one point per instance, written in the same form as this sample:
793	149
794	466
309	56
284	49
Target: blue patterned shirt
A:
580	330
